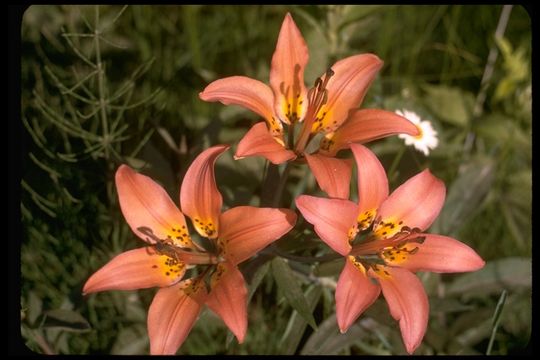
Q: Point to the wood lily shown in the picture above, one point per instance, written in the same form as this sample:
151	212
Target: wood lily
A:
329	108
383	241
232	237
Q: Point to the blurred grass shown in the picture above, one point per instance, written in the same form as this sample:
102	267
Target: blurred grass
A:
156	59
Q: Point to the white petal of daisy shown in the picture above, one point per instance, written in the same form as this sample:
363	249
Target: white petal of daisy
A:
427	139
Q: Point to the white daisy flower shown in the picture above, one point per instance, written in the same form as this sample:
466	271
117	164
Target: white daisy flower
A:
427	139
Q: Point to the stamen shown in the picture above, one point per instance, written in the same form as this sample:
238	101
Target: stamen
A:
397	242
184	255
176	236
317	96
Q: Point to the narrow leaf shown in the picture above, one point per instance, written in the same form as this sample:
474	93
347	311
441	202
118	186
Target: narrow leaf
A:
67	320
288	284
496	320
465	196
327	340
513	272
131	340
297	325
257	279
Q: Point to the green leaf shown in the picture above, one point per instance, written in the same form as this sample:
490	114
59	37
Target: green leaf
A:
132	340
288	284
328	340
519	320
67	320
318	54
469	329
465	195
450	104
495	127
514	229
448	305
508	273
354	13
257	279
516	66
329	268
136	163
34	308
505	87
297	325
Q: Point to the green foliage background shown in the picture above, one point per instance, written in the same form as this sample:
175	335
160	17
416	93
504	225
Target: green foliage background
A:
148	66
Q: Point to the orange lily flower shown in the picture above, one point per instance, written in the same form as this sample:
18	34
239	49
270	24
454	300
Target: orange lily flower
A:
382	237
328	108
233	236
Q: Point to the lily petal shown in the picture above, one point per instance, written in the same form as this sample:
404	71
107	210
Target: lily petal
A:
364	126
354	293
441	254
245	230
199	196
372	184
136	269
407	301
332	174
149	210
248	93
172	314
415	203
346	90
228	298
333	219
259	142
287	73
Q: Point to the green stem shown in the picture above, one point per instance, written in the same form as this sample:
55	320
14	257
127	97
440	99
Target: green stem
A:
282	181
290	135
496	320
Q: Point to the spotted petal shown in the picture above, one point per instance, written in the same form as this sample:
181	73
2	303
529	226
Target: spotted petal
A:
248	93
247	230
333	219
346	90
440	254
149	210
228	298
135	269
172	314
259	142
364	126
287	73
407	301
416	203
354	293
372	184
199	196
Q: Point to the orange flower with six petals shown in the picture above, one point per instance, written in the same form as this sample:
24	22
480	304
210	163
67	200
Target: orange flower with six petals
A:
329	108
233	237
382	238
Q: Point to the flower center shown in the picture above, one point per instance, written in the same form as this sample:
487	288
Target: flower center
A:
392	250
173	249
420	132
